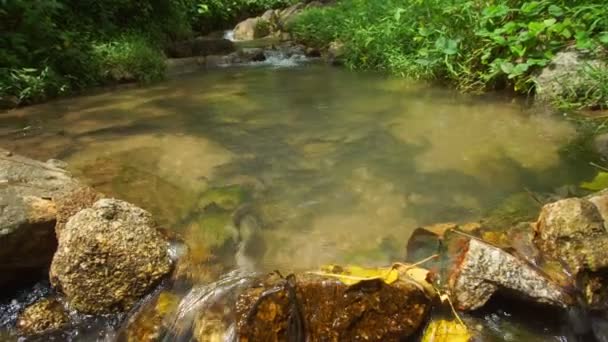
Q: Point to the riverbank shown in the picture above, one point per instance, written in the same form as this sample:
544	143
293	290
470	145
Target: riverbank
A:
555	50
62	47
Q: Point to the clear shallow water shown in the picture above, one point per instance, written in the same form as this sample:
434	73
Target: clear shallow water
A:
341	166
337	167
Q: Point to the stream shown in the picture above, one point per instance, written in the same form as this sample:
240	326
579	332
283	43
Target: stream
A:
338	167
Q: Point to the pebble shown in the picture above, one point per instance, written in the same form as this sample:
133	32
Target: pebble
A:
8	153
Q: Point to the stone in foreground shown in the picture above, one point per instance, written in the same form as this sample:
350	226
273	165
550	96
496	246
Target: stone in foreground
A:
483	269
572	230
44	316
310	307
27	216
108	257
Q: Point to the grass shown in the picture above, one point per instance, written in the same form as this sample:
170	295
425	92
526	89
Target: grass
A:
472	44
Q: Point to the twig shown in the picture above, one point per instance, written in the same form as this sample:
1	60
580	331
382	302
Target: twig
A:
603	168
533	195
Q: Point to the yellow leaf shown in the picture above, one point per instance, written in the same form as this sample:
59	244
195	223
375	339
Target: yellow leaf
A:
350	275
446	331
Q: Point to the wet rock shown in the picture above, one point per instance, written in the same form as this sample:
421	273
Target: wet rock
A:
150	322
28	216
201	46
251	55
108	257
566	70
482	269
317	308
252	28
71	203
44	316
572	230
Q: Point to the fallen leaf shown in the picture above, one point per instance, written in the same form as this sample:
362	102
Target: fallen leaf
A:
446	331
351	275
600	182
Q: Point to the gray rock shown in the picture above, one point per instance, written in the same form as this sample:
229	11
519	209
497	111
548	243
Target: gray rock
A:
28	189
108	257
572	230
484	269
565	70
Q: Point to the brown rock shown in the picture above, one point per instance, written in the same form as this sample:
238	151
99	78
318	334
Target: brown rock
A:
108	257
71	203
44	316
316	308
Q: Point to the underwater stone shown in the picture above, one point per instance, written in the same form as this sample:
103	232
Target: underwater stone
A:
108	257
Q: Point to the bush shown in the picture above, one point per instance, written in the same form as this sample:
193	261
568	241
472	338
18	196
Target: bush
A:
474	44
130	57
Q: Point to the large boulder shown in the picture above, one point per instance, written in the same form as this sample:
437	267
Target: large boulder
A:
28	212
252	28
566	71
108	257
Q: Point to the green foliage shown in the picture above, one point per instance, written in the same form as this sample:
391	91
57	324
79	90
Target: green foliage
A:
130	57
57	46
589	91
474	44
214	14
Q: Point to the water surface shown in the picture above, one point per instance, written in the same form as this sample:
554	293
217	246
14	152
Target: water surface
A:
340	166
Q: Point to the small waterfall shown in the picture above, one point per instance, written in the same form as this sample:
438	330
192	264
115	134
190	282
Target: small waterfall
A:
202	298
229	34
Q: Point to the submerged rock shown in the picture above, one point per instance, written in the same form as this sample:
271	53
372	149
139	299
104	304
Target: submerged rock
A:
317	308
572	230
108	257
27	216
44	316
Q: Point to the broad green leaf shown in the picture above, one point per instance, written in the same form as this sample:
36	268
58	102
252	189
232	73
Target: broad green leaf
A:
600	182
549	22
507	67
556	11
603	37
